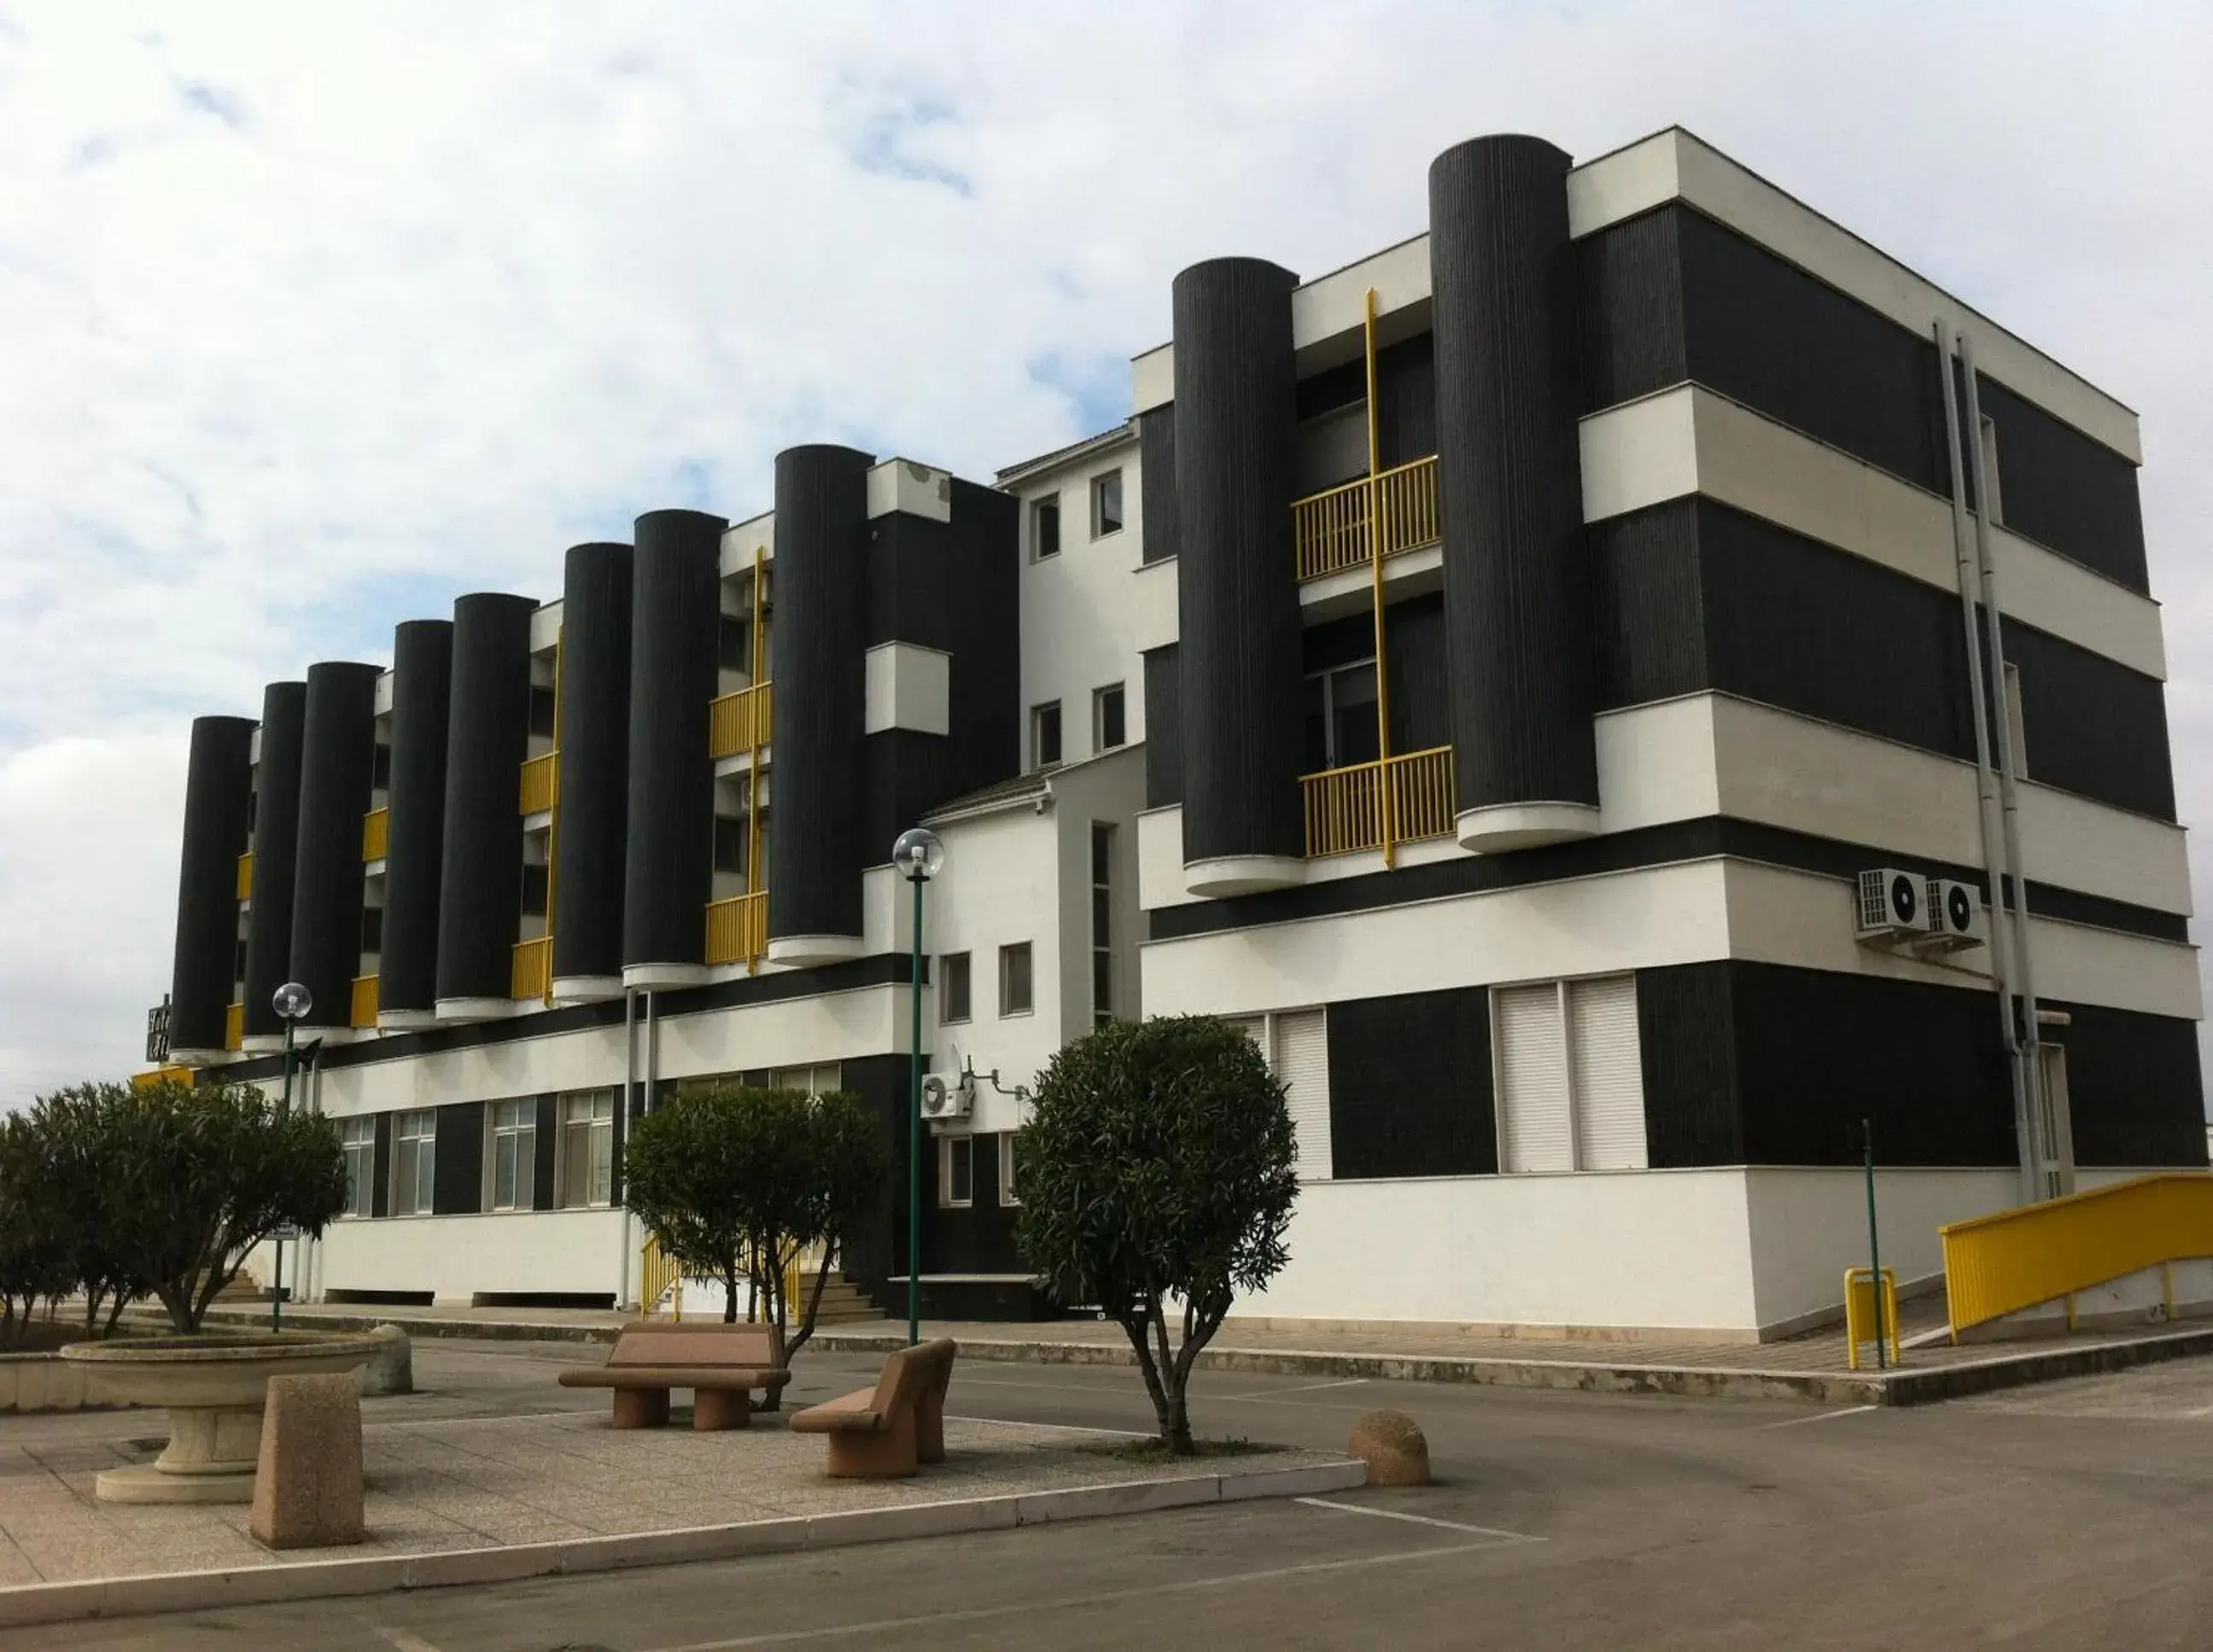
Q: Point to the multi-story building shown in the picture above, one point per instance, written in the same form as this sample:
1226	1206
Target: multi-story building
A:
1538	678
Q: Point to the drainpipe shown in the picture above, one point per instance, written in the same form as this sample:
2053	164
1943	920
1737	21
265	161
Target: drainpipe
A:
629	1090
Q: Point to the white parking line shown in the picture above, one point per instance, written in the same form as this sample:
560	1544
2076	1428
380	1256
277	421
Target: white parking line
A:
1302	1388
403	1642
1416	1520
1818	1416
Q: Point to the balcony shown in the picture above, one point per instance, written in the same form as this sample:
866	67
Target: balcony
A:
376	834
541	783
245	876
737	930
533	969
1378	805
364	1001
740	723
1375	516
234	1018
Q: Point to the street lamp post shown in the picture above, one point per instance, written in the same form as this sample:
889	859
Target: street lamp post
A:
292	1001
918	855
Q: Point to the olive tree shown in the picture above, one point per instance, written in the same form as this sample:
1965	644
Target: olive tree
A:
56	1194
1157	1171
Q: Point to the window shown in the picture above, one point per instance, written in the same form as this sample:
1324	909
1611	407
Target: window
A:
358	1137
729	843
1109	724
1106	504
541	710
734	641
818	1079
1990	468
2017	730
1009	1187
514	1162
953	995
1045	527
1340	716
1295	1045
1570	1078
372	929
587	1148
1014	979
1045	735
535	890
380	769
956	1172
1102	923
414	1160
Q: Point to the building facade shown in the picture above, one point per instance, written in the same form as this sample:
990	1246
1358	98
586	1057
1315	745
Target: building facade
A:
1582	686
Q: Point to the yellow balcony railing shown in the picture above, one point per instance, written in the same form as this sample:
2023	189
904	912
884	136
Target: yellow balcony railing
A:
1368	805
532	975
245	876
737	928
740	721
234	1027
2000	1263
658	1271
1331	530
364	1001
376	834
542	783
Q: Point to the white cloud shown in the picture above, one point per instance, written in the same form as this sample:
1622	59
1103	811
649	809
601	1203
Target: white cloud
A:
315	316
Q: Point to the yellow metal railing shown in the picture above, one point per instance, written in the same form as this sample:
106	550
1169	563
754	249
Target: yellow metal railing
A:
1330	529
541	782
2000	1263
740	723
658	1273
376	834
233	1026
1369	805
245	876
364	1001
737	928
532	976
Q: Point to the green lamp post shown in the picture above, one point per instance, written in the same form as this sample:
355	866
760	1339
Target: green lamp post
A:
292	1001
919	854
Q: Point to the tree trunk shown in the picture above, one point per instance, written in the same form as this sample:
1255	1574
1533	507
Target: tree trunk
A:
731	1294
813	1305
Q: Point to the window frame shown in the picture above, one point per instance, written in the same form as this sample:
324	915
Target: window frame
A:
1010	1192
945	1156
1097	490
945	995
1118	693
1041	507
1562	990
1333	760
420	1202
360	1180
1007	955
1103	840
1039	762
593	1129
524	1134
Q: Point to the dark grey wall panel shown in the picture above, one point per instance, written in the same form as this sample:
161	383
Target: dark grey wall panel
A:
1686	1042
2134	1088
822	619
1407	400
2092	725
1420	673
1157	482
338	757
218	795
876	1249
1410	1091
1647	606
380	1195
488	737
1632	280
275	843
1163	728
544	1194
1237	590
1517	609
422	712
457	1166
2060	488
594	712
668	864
979	1239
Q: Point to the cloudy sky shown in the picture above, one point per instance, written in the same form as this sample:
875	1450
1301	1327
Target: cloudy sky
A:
313	316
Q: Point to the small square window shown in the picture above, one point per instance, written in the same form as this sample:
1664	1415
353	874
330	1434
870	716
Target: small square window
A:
534	890
1109	724
541	711
372	929
1015	990
956	1172
1045	735
953	994
380	769
729	843
1045	527
1009	1187
1106	504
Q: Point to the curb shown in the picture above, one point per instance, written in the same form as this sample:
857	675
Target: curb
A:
27	1605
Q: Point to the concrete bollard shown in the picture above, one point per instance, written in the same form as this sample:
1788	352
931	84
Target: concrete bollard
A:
391	1369
307	1486
1392	1446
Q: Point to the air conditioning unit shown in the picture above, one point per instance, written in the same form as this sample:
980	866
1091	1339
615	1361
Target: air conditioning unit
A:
942	1101
1954	915
1893	906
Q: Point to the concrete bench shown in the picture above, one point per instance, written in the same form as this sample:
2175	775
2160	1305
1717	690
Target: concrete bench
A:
722	1364
882	1433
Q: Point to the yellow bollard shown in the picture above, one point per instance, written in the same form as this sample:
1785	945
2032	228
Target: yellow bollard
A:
1860	1322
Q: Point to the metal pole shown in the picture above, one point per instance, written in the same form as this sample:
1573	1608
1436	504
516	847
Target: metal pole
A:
914	1137
276	1285
1874	1249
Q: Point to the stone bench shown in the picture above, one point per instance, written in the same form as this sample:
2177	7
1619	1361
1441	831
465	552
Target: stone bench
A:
722	1364
883	1433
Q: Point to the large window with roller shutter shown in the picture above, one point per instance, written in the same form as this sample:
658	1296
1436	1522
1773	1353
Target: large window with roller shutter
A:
1297	1043
1570	1075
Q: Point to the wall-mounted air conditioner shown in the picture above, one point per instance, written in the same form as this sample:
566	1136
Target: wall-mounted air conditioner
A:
1954	916
1893	906
942	1101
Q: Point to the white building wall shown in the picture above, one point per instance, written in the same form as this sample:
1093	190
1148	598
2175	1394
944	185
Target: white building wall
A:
456	1256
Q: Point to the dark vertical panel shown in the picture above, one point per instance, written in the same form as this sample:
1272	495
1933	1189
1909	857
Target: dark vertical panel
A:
979	1239
1157	482
338	753
1163	728
218	788
1410	1091
668	865
2134	1088
1632	282
1236	452
275	843
380	1196
877	1248
1407	400
1421	675
545	1193
1509	474
822	540
457	1171
2091	724
2060	488
422	712
595	672
488	736
1686	1042
1647	610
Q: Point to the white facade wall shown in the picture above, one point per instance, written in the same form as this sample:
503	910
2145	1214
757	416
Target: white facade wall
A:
456	1258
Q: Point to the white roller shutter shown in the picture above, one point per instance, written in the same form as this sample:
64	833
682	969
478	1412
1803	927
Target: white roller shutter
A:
1532	1080
1302	1062
1609	1074
1254	1027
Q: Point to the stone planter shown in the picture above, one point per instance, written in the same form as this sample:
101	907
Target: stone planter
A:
215	1387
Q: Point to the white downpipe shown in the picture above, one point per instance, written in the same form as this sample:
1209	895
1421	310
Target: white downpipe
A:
623	1296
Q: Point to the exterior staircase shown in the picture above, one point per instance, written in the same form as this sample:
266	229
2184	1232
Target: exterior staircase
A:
844	1302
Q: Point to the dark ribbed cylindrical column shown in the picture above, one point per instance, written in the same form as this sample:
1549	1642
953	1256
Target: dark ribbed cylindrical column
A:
218	791
594	713
276	841
338	762
1236	444
821	709
1517	613
422	702
480	864
668	861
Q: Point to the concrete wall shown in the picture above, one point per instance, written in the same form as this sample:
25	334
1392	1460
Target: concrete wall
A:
455	1257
